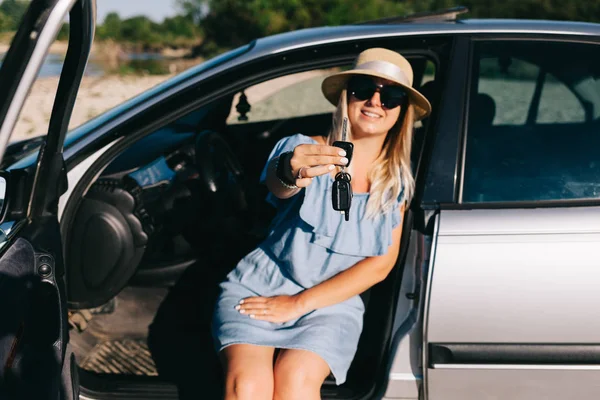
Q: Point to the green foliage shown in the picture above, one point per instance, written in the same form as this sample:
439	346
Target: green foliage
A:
144	31
111	28
566	10
139	29
6	24
143	67
63	33
223	24
231	23
11	13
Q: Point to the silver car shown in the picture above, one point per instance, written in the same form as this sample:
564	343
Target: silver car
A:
115	234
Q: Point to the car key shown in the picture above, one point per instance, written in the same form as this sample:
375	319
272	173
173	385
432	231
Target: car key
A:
342	194
342	190
348	147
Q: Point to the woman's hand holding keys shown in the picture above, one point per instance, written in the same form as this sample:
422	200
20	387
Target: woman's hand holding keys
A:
310	160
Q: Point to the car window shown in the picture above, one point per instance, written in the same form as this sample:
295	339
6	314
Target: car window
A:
533	119
289	96
498	80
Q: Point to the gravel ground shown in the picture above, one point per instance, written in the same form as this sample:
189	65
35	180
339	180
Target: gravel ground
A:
96	95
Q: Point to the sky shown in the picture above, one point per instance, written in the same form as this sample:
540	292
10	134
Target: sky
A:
156	10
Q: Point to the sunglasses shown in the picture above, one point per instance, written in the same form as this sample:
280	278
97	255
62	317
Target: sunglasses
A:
363	88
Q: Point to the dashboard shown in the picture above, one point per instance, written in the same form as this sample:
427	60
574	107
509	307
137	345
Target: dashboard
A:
156	173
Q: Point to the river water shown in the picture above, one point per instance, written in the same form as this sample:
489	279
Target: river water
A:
53	64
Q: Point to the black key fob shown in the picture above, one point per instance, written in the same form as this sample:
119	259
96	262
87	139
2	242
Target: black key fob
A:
342	194
347	146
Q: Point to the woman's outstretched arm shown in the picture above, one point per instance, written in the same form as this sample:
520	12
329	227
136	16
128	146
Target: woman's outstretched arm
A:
355	280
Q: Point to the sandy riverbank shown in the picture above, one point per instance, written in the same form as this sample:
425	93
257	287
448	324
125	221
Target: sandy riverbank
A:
57	47
97	94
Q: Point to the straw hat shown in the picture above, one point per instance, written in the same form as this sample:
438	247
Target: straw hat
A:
382	63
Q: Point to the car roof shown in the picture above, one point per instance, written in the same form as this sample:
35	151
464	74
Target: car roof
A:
324	35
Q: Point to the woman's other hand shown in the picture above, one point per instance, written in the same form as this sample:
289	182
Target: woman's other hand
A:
311	160
277	309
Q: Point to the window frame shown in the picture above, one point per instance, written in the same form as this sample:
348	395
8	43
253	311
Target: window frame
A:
458	203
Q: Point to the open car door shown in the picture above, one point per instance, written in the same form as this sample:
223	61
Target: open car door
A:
34	359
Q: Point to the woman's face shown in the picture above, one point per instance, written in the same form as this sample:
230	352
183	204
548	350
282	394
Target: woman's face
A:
369	117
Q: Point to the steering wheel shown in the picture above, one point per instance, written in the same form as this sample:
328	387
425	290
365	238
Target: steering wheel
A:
220	173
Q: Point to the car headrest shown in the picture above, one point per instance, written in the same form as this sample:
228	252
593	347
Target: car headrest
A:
483	110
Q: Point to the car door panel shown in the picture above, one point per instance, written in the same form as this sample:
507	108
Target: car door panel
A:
31	338
510	312
33	327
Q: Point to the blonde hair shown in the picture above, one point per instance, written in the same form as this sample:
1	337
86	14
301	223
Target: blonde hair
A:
391	173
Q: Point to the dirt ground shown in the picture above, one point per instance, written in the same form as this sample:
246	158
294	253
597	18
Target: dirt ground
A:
99	94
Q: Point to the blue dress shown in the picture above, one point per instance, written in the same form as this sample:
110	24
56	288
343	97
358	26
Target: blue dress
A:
308	243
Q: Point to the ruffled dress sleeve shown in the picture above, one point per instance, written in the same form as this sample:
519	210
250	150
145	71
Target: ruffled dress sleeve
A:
360	236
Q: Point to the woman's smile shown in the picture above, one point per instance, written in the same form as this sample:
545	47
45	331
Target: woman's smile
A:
371	115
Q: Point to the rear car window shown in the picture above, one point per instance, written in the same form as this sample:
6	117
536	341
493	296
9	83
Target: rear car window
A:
533	122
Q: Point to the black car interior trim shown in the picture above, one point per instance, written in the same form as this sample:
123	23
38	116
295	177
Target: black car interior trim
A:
440	183
514	353
471	70
50	161
497	205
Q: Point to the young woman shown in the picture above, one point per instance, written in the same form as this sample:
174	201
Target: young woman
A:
299	290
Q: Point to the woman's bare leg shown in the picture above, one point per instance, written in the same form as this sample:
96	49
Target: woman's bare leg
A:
299	374
248	372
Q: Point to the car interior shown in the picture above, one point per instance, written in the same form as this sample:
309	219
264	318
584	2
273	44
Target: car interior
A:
169	217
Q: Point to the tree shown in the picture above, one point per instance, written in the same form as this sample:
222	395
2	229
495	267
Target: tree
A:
180	26
139	29
13	11
5	23
231	23
111	28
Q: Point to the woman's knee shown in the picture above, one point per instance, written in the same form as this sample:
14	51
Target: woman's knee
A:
298	378
249	372
254	385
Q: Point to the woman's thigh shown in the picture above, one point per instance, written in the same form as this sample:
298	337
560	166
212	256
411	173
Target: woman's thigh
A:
249	371
299	374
